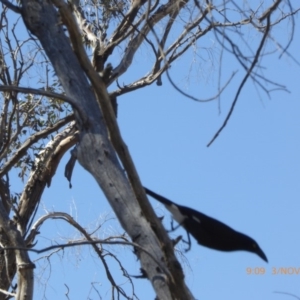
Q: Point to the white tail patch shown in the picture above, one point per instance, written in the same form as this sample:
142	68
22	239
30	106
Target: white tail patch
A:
177	215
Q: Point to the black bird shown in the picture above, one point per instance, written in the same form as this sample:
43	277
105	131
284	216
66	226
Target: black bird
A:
207	231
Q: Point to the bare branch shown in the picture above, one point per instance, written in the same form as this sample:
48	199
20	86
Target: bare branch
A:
7	293
244	81
11	6
107	241
33	139
66	217
269	11
135	43
46	165
8	88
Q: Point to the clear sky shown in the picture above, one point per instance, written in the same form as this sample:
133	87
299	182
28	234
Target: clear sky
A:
248	178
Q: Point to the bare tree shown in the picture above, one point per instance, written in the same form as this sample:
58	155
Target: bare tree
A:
68	105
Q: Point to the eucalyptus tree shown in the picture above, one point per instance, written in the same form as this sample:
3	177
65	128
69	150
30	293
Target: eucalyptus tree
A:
60	67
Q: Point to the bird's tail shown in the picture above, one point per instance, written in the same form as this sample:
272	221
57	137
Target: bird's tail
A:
159	198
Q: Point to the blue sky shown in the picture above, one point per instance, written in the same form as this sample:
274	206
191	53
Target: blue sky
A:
248	178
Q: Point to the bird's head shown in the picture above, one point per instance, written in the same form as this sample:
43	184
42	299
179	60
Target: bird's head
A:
256	249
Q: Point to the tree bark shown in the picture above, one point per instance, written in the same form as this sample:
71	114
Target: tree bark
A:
97	155
20	261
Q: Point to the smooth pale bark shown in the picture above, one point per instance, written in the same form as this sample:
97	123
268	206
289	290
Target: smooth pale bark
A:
97	155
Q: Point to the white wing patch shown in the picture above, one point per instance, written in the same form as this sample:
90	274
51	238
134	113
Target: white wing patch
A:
196	219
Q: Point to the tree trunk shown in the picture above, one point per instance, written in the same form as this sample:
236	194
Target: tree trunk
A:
97	155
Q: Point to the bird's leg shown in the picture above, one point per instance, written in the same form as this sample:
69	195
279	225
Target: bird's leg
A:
187	242
172	226
177	240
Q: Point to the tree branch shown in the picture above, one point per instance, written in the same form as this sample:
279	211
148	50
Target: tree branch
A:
255	60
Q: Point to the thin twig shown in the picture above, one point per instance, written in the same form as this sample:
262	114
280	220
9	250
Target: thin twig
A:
255	60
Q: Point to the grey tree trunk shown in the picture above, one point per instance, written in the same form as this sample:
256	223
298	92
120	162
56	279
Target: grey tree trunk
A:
97	154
